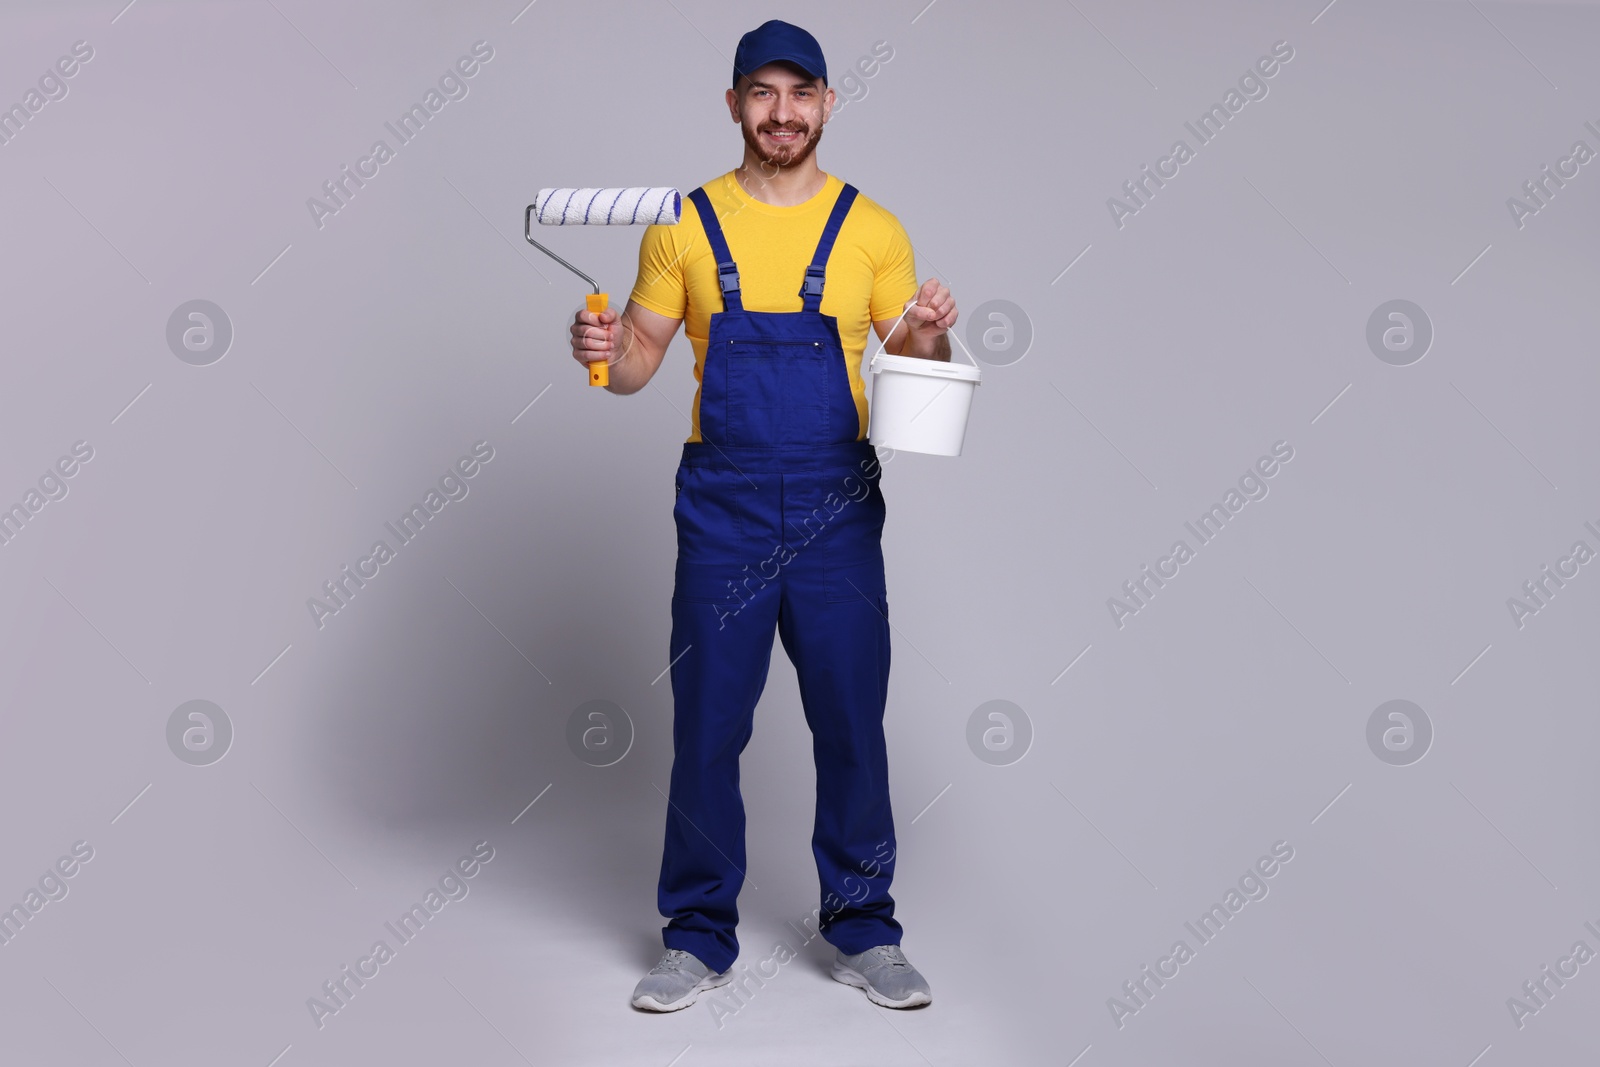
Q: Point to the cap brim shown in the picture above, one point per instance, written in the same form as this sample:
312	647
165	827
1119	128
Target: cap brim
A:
796	60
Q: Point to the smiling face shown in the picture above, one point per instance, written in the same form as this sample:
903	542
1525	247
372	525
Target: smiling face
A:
781	111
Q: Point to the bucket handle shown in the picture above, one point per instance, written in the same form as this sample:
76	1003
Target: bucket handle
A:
909	304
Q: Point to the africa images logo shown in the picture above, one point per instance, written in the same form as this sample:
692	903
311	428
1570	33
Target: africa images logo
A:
338	991
1252	486
452	86
1252	86
1252	887
452	486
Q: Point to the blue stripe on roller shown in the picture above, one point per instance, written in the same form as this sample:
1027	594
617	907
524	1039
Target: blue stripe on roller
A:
567	206
609	218
590	206
636	204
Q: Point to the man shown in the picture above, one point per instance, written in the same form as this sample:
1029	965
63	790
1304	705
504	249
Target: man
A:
779	512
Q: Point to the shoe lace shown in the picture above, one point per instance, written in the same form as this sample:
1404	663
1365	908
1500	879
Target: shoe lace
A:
672	960
892	956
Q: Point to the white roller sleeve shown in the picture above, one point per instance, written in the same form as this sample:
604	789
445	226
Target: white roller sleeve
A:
608	207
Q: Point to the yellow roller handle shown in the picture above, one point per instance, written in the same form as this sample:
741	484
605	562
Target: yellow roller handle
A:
599	373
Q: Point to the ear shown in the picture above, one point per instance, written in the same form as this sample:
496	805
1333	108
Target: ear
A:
828	99
733	104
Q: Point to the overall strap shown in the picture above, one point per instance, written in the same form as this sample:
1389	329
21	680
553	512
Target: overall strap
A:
727	270
811	291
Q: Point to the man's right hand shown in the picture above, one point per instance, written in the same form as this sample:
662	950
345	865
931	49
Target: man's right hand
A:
639	334
596	336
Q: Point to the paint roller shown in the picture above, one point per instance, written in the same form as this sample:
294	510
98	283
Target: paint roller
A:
600	207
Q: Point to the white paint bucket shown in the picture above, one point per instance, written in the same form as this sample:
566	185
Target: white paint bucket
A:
920	405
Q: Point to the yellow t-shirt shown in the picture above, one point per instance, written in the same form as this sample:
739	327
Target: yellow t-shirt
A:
871	273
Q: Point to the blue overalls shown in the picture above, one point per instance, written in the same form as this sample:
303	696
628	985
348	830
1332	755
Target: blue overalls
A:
779	517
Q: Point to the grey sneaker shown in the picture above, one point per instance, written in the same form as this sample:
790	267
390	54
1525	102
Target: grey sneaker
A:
885	974
675	983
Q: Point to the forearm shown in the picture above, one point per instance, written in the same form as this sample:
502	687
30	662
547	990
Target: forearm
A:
635	362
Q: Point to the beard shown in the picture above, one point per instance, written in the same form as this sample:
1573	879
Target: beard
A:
788	155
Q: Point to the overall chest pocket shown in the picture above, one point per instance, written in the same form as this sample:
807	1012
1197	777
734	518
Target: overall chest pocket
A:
778	391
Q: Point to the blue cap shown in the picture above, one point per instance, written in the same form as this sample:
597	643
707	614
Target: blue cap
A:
776	41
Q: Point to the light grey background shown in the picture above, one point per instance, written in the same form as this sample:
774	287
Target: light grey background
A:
1230	713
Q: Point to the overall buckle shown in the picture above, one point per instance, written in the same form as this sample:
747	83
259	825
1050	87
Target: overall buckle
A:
813	283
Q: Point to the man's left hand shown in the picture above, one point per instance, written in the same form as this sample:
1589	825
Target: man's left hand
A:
928	320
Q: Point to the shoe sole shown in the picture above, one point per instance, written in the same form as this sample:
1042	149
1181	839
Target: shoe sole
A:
855	978
649	1003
